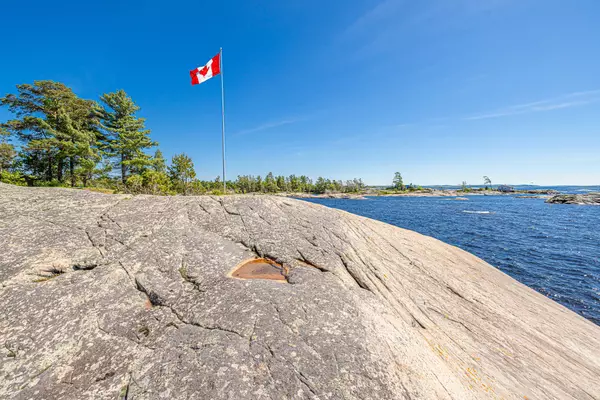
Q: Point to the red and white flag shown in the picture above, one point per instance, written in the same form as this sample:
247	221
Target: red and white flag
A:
204	73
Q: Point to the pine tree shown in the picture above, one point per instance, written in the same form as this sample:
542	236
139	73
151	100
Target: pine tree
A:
321	185
53	124
158	162
488	182
270	183
181	172
76	135
127	136
281	185
305	184
398	182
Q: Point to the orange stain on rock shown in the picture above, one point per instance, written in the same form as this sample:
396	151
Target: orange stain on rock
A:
260	268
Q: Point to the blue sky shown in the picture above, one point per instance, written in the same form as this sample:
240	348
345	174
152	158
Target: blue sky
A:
444	91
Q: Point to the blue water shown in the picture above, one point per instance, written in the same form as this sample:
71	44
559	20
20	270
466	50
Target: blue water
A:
552	248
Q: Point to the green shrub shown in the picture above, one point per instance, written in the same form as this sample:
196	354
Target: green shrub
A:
134	184
13	178
52	183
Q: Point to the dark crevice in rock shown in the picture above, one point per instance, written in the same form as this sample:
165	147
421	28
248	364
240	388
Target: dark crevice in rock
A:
302	378
221	201
104	377
305	260
107	217
202	207
417	322
582	389
252	247
450	319
122	243
202	346
84	266
313	241
455	292
126	271
266	346
264	219
48	274
353	274
94	244
173	324
189	279
154	298
208	328
105	212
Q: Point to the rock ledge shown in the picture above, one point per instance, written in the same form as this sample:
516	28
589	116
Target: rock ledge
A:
582	199
113	296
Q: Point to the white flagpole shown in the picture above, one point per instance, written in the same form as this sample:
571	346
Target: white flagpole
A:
223	119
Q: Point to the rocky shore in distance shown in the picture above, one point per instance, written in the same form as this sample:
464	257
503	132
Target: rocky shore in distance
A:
264	297
351	196
538	193
582	199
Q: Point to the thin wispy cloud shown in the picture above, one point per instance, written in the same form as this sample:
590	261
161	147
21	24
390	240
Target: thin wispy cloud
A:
380	12
382	26
270	125
561	102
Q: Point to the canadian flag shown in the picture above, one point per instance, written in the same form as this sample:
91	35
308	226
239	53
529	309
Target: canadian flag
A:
202	74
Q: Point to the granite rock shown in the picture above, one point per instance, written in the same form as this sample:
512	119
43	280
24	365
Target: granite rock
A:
582	199
115	296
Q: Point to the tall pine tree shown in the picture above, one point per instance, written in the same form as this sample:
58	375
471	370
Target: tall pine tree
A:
158	162
127	136
55	126
181	172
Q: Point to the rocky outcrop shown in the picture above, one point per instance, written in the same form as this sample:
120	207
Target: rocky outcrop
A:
539	192
347	196
113	296
584	199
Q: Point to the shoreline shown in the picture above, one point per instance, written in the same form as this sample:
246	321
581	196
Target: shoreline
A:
541	194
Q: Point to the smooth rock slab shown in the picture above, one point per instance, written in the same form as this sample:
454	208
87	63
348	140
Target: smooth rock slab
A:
139	304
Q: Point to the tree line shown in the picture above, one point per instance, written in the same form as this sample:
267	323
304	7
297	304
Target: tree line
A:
64	140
